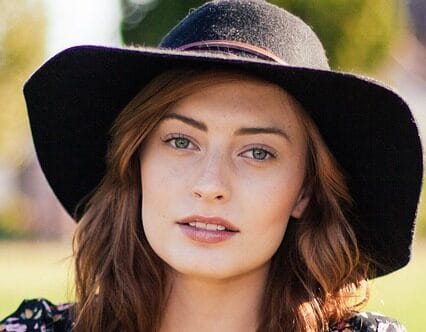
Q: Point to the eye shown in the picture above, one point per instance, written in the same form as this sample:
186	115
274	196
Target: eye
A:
259	154
179	141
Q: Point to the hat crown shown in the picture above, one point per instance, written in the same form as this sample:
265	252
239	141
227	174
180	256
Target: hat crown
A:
253	22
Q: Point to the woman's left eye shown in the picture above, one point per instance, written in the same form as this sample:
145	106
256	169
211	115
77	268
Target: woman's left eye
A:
260	154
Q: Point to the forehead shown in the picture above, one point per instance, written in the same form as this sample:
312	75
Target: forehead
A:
242	101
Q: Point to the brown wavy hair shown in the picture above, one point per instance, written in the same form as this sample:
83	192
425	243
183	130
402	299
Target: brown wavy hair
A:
122	285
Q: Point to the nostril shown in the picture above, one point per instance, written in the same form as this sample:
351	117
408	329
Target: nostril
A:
210	191
198	195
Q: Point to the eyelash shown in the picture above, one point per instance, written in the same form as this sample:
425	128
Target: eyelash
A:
173	137
269	154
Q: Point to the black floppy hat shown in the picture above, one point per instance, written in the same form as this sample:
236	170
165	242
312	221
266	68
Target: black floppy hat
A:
75	96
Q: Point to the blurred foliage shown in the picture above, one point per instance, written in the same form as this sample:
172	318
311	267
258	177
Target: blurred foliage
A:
146	22
357	34
22	30
12	225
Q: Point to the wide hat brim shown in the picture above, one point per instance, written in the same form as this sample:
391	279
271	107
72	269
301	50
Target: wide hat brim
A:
74	98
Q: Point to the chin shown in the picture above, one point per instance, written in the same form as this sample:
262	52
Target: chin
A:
210	262
214	269
206	272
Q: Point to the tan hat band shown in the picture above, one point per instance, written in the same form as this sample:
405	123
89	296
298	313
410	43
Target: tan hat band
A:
231	45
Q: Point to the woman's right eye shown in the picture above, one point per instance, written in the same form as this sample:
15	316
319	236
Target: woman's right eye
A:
180	142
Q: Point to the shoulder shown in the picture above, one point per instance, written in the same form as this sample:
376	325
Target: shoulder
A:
369	322
38	315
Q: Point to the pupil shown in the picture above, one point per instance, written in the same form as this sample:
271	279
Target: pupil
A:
182	143
259	154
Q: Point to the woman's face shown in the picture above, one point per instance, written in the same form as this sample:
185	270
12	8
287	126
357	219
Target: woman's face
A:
221	175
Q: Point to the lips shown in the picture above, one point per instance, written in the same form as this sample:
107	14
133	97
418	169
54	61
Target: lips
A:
209	223
207	229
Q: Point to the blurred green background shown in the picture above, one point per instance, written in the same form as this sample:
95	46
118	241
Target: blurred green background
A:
382	38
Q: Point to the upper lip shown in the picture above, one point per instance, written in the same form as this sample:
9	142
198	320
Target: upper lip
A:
209	220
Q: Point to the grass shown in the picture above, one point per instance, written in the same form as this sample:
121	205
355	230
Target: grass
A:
32	270
403	294
42	269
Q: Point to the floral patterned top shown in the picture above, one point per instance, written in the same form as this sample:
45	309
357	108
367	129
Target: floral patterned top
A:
41	315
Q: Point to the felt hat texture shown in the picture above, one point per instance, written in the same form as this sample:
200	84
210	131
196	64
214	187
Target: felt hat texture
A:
75	96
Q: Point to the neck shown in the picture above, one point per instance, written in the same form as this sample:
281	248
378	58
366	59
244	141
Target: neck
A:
227	305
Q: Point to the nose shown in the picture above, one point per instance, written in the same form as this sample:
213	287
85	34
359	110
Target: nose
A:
211	182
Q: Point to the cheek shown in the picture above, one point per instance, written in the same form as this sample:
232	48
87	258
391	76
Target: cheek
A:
152	190
161	189
269	203
154	215
156	176
154	195
275	196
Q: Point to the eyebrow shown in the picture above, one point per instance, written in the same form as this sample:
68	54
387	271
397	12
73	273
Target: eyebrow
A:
194	123
240	132
263	130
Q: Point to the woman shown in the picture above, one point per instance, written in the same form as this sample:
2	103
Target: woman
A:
226	181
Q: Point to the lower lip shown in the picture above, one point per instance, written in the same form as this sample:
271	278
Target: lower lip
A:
204	235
